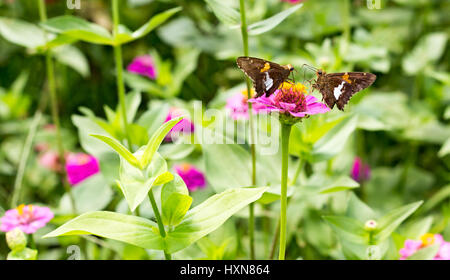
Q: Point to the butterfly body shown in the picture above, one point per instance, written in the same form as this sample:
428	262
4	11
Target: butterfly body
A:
338	88
266	76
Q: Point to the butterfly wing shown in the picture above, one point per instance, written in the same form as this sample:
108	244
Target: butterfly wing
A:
340	87
265	81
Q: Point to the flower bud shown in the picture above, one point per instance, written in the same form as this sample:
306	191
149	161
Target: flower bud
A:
16	239
370	225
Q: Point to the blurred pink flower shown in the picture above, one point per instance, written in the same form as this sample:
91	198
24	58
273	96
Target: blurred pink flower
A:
28	218
143	65
192	177
291	100
412	246
80	166
360	171
293	1
50	160
185	126
237	106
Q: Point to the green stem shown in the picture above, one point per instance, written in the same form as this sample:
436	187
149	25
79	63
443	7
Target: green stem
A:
162	231
119	72
32	242
54	109
251	219
285	133
24	158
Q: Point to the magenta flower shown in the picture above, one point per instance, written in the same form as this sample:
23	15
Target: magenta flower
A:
192	177
185	126
360	171
293	1
290	100
80	166
28	218
412	246
143	65
237	106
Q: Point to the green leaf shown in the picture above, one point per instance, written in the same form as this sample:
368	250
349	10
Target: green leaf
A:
227	166
428	50
135	183
72	57
175	201
87	126
175	208
120	149
155	141
22	33
437	198
359	210
225	14
427	253
209	215
349	229
322	184
389	222
445	149
176	151
126	228
334	141
154	22
80	29
263	26
93	194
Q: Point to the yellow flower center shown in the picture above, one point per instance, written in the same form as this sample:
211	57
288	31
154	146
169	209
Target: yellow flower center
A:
185	167
298	87
245	93
21	208
427	239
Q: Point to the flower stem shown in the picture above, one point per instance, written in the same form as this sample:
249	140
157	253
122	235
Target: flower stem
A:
54	109
162	231
251	217
285	133
24	157
119	72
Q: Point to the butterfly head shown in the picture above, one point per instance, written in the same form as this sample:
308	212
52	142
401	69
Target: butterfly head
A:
290	67
320	72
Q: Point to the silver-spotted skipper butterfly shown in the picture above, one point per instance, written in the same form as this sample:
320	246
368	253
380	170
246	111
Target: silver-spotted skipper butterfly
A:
338	88
266	76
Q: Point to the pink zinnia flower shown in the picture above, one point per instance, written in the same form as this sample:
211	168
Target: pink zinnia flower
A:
293	1
185	126
291	100
237	106
50	160
192	177
80	166
28	218
360	171
143	65
412	246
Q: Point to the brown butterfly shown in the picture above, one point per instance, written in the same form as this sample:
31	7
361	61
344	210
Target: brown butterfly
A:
338	88
266	76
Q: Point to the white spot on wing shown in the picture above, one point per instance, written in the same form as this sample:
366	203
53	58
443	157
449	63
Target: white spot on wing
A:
268	82
338	90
